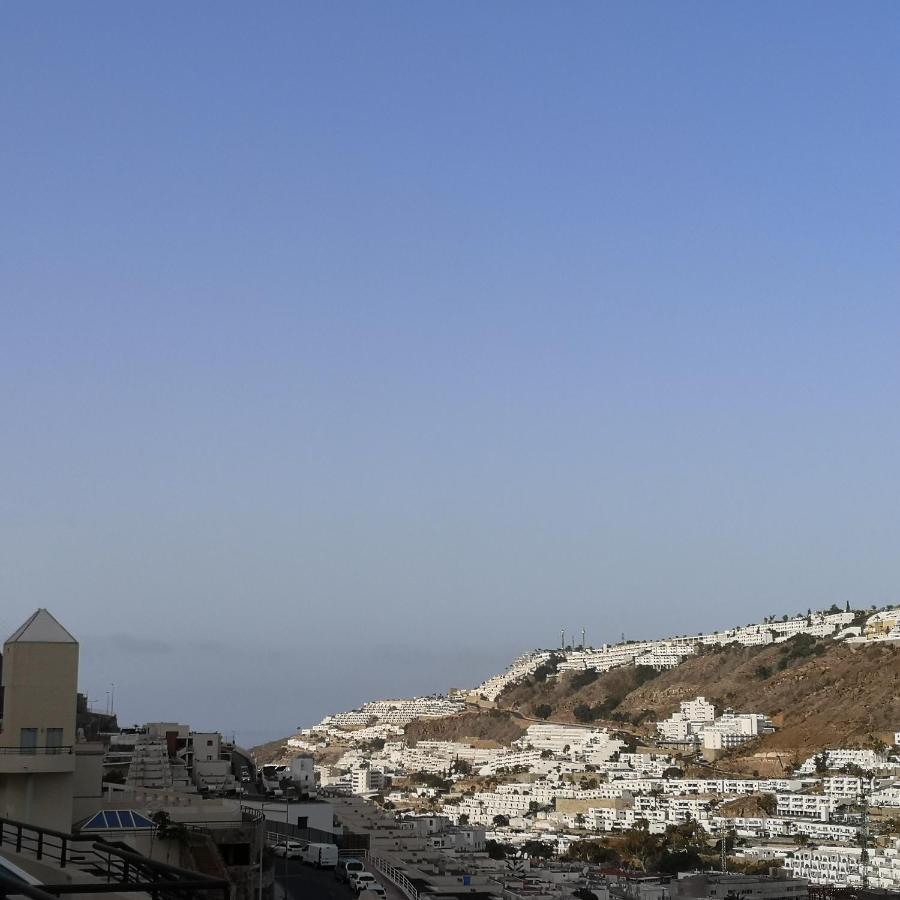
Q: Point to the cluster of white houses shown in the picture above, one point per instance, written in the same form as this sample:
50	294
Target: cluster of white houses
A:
569	782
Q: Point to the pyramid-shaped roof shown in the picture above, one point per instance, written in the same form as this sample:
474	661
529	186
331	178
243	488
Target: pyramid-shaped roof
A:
41	628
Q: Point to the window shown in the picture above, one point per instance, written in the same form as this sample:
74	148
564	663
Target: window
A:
28	740
54	739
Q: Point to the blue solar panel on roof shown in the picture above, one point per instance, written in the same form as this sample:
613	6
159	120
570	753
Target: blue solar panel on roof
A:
96	822
117	818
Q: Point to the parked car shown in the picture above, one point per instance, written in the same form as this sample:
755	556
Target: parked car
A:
321	856
345	867
288	849
372	891
359	881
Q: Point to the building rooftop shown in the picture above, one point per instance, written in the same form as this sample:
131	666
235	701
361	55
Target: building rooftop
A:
41	628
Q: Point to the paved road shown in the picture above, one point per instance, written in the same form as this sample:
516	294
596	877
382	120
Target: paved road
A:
295	881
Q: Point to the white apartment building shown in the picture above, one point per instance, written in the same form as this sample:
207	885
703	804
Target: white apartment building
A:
808	806
365	781
846	786
733	729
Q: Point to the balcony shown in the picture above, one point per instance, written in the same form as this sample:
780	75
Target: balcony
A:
36	760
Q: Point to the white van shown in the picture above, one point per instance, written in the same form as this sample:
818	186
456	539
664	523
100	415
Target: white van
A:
321	855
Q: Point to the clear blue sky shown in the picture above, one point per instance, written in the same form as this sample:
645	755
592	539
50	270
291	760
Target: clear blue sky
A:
348	349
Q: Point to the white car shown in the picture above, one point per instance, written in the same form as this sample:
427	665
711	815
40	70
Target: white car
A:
359	881
288	849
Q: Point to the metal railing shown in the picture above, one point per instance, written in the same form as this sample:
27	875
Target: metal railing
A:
13	887
47	750
395	873
116	870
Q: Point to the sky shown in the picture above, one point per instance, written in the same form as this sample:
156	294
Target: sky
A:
348	350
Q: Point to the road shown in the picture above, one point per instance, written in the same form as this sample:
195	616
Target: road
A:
295	881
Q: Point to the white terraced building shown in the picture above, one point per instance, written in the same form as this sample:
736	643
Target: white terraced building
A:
842	757
395	712
666	652
528	759
838	866
520	668
842	866
809	806
453	750
570	740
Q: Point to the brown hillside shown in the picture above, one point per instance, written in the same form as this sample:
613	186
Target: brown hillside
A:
493	725
819	694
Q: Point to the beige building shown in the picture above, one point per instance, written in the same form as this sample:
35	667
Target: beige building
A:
37	732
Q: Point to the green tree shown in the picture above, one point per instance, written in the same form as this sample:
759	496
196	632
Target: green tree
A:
537	849
542	710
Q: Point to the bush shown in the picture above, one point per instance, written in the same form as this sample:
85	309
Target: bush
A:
542	710
582	679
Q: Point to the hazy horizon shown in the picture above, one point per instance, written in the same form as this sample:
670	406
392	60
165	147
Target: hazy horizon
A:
349	350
